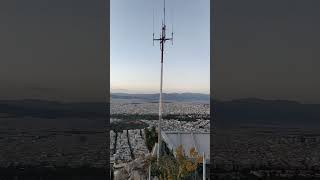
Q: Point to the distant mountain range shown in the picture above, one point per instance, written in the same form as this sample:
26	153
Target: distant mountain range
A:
226	113
171	97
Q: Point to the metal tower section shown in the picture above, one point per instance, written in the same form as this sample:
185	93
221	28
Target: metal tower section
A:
162	39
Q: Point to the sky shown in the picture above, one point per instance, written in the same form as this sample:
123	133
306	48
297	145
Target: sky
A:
135	62
53	50
266	49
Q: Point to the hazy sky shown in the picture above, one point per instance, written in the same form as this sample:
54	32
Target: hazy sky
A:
267	49
135	62
53	49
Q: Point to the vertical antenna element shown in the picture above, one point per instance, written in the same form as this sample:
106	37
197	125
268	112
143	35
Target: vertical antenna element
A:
164	12
162	39
172	26
172	35
153	26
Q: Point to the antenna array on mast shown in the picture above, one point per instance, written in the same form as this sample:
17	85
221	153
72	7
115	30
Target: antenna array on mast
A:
162	39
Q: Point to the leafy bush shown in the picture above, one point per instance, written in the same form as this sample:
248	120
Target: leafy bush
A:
175	168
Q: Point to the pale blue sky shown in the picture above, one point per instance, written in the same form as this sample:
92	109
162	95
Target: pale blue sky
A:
135	62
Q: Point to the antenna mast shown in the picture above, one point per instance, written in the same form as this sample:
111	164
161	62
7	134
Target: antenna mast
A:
162	39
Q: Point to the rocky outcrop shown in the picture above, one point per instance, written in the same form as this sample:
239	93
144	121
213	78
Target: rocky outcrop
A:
134	170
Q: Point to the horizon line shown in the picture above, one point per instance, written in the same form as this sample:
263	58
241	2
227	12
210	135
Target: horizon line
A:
159	92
